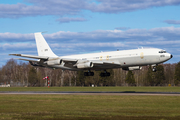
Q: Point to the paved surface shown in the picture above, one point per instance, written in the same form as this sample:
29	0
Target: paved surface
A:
92	93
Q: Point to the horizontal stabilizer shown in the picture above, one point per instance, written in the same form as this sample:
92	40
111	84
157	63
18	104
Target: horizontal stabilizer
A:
31	56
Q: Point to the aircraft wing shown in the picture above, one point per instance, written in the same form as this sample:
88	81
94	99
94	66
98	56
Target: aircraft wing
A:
31	56
69	61
96	63
105	63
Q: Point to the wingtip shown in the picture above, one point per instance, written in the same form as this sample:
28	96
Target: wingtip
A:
15	54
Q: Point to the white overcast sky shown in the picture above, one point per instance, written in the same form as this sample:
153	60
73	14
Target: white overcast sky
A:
85	26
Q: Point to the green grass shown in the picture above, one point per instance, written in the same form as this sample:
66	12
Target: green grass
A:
110	89
84	107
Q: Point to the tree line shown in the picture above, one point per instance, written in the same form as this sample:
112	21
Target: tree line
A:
23	74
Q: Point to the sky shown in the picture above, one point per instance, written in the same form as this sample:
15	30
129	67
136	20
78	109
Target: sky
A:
89	26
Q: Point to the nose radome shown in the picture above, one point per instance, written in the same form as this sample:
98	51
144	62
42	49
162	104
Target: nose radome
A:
171	56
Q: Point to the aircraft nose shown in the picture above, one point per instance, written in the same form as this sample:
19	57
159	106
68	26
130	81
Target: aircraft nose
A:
171	56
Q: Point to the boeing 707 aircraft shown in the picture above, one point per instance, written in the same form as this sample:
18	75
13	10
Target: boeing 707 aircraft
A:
126	59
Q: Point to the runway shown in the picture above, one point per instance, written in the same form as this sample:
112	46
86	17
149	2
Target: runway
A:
91	93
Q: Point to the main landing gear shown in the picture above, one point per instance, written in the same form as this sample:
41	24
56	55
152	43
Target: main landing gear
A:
105	74
89	73
102	74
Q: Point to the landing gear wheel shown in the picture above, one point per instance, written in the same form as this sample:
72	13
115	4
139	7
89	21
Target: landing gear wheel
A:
105	74
88	73
154	70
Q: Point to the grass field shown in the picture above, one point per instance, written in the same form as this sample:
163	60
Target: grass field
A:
86	107
107	89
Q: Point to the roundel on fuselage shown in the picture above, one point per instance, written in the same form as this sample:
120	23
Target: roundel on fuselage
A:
101	57
107	57
142	55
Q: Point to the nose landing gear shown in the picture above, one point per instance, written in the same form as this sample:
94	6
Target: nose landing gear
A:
154	68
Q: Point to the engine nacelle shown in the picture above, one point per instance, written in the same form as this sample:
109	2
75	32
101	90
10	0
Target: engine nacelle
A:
54	62
132	68
85	65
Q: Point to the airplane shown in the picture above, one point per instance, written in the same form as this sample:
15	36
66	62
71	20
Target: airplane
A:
126	59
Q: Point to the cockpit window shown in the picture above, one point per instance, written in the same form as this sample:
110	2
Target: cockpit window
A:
162	51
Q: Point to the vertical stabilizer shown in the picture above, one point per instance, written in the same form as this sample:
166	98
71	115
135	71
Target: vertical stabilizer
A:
42	46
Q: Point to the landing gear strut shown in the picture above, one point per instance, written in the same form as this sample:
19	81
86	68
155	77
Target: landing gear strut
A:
105	74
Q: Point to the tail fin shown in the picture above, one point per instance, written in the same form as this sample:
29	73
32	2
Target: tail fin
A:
42	46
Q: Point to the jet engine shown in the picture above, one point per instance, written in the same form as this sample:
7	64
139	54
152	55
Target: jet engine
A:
54	62
85	65
132	68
